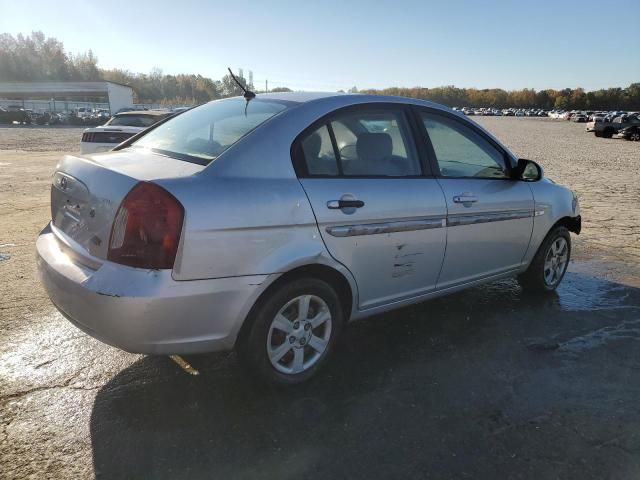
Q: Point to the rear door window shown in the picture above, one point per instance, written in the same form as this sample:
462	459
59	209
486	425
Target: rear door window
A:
366	143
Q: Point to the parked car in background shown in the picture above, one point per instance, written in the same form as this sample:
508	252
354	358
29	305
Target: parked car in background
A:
41	118
118	129
83	112
579	118
629	133
267	225
56	118
11	116
593	119
608	128
102	113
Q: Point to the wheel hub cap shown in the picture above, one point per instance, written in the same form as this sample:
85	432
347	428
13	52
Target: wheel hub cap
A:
556	261
299	334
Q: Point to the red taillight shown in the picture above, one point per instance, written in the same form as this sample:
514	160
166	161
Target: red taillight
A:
146	230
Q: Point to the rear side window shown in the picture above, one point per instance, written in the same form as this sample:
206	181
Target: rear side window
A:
367	143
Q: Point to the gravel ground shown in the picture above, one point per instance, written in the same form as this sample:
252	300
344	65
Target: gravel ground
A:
487	383
40	139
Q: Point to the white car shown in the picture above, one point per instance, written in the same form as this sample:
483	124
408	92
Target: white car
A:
119	128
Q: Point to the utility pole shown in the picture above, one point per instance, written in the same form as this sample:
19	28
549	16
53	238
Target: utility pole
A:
266	86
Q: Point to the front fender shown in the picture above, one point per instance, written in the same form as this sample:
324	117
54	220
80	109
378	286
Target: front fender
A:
553	203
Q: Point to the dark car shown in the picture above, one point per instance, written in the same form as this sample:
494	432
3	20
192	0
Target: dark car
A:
608	128
10	116
630	133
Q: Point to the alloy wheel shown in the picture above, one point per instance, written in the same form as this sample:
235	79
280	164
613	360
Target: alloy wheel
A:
299	334
555	262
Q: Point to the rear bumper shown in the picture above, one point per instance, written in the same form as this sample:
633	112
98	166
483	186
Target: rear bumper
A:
145	311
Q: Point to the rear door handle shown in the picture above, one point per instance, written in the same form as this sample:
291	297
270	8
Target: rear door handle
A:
339	204
465	199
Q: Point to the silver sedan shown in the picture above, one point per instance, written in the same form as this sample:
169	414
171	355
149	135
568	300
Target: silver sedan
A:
266	224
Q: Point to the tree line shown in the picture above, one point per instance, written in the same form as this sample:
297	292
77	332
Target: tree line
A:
566	99
35	57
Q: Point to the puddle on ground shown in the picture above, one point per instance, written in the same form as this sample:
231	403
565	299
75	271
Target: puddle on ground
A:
4	257
629	330
580	292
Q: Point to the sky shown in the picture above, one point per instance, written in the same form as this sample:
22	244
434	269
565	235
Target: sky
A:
329	45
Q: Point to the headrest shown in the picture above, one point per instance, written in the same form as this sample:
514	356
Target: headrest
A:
312	145
374	146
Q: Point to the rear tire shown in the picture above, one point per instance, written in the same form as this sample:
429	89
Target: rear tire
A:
635	136
598	134
550	263
291	332
608	133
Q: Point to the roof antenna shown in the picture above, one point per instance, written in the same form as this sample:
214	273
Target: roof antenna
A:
248	94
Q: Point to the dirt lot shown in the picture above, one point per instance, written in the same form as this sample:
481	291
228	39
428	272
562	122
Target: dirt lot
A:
488	383
604	172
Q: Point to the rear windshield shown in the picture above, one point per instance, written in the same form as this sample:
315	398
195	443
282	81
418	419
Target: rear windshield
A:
203	133
134	120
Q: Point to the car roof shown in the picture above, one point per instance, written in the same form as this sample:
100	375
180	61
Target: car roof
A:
298	97
341	98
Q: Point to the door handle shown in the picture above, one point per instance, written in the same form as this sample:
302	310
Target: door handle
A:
465	199
339	204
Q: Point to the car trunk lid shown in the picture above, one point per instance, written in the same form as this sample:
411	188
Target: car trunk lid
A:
86	192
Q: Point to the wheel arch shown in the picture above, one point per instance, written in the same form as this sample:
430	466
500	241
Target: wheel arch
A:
344	287
573	224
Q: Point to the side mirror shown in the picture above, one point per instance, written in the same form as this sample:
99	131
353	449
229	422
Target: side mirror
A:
528	171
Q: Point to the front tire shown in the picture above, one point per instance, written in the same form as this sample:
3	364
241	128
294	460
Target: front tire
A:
550	263
292	332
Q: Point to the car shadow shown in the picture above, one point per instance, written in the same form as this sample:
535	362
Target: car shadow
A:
402	389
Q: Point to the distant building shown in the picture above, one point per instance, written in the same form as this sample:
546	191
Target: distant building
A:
115	94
